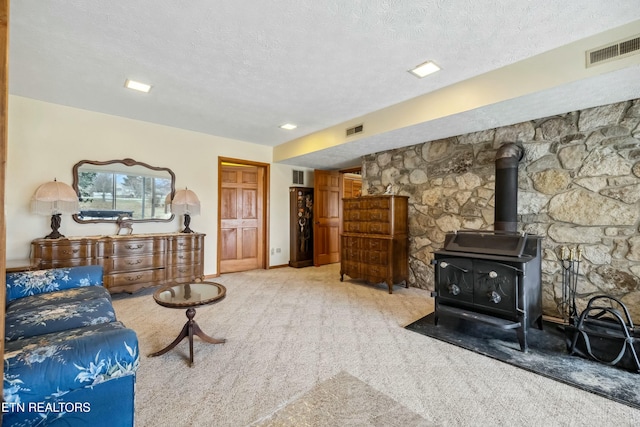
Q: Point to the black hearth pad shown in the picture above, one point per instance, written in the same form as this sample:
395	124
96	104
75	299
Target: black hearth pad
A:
547	355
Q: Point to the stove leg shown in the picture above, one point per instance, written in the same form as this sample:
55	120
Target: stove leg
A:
539	322
522	338
434	294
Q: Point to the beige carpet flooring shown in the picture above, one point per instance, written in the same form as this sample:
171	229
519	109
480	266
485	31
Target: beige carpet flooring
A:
292	332
343	400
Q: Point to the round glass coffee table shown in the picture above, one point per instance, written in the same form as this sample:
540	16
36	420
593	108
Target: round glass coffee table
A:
189	296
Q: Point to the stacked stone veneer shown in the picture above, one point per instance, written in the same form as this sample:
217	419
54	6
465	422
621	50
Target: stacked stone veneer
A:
579	185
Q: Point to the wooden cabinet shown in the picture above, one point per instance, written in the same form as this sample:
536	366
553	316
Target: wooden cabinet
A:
374	242
130	262
301	226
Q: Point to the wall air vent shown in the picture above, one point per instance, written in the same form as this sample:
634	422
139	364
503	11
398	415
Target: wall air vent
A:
298	177
618	50
354	130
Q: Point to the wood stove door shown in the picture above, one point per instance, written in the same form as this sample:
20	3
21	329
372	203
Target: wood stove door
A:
496	287
455	280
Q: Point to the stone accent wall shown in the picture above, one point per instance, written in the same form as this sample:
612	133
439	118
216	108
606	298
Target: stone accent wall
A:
579	185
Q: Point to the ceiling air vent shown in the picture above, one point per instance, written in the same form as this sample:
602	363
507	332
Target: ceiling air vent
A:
354	130
298	177
618	50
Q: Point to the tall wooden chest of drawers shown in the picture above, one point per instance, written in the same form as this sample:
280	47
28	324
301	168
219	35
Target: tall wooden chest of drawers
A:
374	242
130	262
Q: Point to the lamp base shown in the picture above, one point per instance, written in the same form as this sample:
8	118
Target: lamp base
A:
187	221
55	225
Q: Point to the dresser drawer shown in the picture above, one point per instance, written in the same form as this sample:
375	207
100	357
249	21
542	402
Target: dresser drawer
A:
376	257
375	273
188	242
185	257
355	227
353	204
351	254
184	273
43	264
65	250
133	277
353	215
378	228
133	263
376	244
377	215
135	247
378	203
351	268
351	242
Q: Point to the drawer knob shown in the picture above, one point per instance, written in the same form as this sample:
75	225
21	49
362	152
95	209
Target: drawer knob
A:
132	278
493	274
138	261
134	246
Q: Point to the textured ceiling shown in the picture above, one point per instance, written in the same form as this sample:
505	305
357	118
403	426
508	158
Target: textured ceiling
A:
241	68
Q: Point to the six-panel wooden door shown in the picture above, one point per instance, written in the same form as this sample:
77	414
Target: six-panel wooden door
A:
326	226
241	218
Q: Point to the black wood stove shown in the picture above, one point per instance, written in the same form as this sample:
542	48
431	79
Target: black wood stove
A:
493	276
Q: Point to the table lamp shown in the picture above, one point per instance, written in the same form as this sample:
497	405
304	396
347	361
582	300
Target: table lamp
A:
185	202
54	198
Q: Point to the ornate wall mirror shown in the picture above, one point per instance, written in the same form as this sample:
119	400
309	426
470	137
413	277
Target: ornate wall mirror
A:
122	187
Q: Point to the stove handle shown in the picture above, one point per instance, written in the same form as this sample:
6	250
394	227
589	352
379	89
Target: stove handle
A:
494	297
454	289
445	264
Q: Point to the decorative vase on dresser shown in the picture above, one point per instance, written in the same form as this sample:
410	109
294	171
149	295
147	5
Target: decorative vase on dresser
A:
301	228
374	242
131	262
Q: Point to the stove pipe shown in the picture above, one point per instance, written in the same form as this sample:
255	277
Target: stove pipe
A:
506	197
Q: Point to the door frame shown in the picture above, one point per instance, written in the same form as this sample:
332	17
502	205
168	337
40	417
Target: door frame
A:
266	167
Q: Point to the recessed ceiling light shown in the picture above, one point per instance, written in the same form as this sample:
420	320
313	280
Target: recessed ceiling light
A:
288	126
424	69
142	87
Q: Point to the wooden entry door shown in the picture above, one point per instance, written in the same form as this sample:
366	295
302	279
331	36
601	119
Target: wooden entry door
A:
326	225
242	213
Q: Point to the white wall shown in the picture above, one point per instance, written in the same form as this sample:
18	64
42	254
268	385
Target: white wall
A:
46	140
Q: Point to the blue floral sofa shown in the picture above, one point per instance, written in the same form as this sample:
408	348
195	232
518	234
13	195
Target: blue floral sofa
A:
67	360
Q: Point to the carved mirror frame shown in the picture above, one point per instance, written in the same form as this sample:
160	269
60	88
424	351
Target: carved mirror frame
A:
126	162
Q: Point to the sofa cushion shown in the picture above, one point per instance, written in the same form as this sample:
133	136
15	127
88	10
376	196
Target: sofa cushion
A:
57	311
40	368
27	283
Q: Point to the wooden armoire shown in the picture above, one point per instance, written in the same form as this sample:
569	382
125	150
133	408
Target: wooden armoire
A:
301	226
375	242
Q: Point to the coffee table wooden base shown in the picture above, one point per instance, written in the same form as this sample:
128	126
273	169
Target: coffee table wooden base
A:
189	329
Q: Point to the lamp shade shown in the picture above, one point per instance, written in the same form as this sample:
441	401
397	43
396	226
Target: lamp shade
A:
185	202
54	198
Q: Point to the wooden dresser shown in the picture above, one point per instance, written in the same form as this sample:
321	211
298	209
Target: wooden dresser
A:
130	262
374	242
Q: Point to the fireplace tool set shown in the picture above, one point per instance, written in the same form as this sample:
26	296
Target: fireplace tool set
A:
603	331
